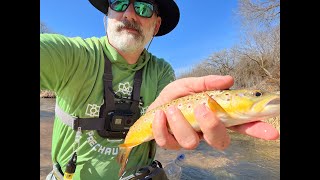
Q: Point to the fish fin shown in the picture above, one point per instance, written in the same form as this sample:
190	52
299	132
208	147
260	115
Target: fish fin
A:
122	157
214	106
128	145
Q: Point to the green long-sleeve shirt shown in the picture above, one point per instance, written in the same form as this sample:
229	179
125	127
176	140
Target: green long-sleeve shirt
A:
73	68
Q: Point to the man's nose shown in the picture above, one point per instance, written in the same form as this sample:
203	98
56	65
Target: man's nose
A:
129	13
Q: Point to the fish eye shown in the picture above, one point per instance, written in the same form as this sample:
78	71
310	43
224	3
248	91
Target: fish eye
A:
257	93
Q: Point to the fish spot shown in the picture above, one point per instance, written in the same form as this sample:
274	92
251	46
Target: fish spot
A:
189	106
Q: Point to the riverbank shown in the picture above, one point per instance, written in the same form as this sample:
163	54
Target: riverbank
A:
47	94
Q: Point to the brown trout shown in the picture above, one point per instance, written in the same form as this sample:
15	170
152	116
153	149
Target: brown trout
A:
232	107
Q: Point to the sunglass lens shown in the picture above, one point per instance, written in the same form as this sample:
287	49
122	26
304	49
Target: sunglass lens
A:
143	9
119	5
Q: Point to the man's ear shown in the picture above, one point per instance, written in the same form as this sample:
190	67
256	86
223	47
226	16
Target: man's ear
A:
158	24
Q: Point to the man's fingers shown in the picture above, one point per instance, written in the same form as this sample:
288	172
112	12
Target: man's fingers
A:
187	86
210	82
258	129
160	132
214	131
183	132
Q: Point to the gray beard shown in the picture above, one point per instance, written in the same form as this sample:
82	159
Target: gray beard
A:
127	42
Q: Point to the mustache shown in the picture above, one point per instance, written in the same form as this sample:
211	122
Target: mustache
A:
129	24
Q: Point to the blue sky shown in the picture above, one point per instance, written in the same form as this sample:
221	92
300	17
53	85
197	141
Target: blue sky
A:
200	32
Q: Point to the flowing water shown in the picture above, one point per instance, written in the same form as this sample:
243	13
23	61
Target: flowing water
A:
245	158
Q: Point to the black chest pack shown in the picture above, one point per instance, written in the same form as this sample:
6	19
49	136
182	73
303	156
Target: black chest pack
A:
117	114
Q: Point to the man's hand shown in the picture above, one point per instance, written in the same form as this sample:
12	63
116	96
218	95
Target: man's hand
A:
213	130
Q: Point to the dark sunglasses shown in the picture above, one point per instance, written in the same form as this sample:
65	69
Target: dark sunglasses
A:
142	8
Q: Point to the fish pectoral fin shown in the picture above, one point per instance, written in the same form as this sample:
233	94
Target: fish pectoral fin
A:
128	145
214	106
122	157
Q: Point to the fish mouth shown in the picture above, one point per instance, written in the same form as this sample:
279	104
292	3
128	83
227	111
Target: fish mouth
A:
275	101
268	106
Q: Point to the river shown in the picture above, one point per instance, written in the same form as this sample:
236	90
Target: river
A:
246	158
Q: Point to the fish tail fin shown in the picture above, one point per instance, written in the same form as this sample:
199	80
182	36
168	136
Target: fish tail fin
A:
122	157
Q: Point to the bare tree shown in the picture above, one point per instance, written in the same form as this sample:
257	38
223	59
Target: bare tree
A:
222	61
261	38
44	28
255	61
201	69
260	48
261	13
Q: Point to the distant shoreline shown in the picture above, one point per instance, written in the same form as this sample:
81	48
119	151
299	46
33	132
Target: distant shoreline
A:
47	94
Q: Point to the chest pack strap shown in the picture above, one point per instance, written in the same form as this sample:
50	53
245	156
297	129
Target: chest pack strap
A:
102	122
74	122
109	106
